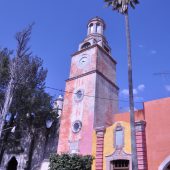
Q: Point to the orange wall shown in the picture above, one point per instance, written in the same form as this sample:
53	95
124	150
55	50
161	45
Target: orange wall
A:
109	142
157	115
139	115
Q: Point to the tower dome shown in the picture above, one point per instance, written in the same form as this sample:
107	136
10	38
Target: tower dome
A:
95	35
96	25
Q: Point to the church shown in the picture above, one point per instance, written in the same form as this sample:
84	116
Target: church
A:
90	121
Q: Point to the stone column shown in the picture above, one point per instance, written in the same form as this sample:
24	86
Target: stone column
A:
141	145
99	147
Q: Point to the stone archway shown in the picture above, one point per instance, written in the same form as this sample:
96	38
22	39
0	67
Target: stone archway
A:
12	164
119	157
165	165
120	164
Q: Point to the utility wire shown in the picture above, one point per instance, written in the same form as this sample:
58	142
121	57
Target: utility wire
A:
103	98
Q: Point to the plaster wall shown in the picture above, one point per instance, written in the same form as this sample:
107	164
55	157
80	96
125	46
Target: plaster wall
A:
109	138
106	102
78	110
157	115
106	65
77	68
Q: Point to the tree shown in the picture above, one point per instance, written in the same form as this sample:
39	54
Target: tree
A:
4	73
22	88
25	89
122	6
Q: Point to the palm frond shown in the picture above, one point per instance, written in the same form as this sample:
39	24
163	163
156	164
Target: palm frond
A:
121	5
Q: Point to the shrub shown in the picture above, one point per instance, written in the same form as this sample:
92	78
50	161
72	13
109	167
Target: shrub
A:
70	162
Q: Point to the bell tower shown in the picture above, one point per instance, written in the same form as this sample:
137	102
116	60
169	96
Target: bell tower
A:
91	92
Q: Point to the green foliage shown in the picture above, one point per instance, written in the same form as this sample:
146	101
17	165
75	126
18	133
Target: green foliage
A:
121	5
70	162
4	72
28	95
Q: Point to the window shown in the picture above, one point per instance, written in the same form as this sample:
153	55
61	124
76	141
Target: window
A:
119	137
120	164
91	28
98	28
79	95
76	126
86	45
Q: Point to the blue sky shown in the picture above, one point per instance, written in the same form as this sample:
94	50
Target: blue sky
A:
61	25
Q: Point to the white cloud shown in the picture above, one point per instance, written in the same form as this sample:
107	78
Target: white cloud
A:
167	87
125	92
153	52
135	91
141	87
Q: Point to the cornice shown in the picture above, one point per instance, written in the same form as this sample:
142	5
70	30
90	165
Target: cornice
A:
95	45
91	72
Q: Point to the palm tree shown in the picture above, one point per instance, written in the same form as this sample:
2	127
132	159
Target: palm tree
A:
122	7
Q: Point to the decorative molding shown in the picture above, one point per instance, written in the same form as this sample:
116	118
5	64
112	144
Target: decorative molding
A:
164	163
101	48
100	131
118	154
140	125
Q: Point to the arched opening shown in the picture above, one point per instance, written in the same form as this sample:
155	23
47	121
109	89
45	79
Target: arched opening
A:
91	28
165	165
120	164
12	164
98	28
86	45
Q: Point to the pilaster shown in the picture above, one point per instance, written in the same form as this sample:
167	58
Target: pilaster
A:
99	147
141	145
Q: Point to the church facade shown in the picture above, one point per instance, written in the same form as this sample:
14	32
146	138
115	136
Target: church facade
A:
90	121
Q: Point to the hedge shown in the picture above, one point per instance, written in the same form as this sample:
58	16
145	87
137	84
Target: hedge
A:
70	162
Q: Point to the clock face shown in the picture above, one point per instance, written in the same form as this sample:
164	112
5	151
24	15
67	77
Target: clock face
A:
83	61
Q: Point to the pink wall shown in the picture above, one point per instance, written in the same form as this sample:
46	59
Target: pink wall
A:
157	115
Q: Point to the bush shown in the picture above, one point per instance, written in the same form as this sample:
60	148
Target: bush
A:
70	162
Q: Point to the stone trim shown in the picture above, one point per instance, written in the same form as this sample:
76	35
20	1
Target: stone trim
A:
164	163
91	72
101	48
141	145
100	131
118	154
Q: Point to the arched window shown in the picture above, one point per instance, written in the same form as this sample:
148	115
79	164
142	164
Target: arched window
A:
98	28
119	137
91	28
86	45
165	165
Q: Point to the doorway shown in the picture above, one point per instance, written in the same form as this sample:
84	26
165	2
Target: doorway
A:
120	164
12	164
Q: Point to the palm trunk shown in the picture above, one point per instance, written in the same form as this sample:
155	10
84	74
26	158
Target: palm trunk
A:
131	100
